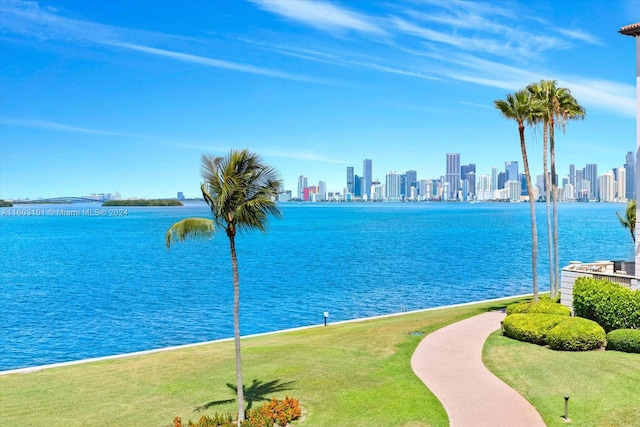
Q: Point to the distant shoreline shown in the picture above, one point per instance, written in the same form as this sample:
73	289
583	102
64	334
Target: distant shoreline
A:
144	202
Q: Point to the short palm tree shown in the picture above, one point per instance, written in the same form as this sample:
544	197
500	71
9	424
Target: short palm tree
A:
523	109
240	191
629	219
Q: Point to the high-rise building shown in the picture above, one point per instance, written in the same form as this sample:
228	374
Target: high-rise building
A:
302	184
470	186
411	181
453	175
322	191
180	195
511	170
392	187
426	189
502	178
350	179
367	178
494	178
621	184
606	183
591	175
630	168
357	186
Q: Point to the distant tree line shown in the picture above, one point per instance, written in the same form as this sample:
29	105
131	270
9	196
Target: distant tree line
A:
143	202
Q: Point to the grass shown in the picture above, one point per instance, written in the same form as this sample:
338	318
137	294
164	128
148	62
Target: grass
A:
603	386
355	374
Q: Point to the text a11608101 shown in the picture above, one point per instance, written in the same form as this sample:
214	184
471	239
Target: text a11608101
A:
62	212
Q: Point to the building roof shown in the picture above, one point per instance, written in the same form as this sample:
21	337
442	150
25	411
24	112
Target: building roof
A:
631	30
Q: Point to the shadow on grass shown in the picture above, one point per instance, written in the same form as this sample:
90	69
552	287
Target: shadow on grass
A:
256	392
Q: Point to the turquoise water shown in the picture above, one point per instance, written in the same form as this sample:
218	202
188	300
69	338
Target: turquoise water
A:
77	283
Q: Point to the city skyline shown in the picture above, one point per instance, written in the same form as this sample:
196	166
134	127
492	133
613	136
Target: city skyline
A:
584	179
121	96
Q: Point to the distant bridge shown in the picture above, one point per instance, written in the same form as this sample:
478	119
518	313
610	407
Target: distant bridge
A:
67	200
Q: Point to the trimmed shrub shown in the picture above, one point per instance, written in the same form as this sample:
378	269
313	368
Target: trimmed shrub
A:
627	340
530	327
576	334
609	304
544	305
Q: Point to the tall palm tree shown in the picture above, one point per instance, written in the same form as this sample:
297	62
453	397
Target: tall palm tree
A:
541	92
240	191
521	108
565	107
629	219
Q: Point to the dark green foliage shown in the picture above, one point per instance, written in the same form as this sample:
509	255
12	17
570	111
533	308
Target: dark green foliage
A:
544	305
531	327
5	204
576	334
627	340
611	305
143	202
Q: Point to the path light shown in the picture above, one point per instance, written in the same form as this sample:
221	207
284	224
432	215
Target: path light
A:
326	314
566	408
502	327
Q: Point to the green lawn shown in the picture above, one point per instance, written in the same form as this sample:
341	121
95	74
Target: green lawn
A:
603	386
351	374
355	374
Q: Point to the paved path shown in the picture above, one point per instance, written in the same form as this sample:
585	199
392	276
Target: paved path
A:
449	362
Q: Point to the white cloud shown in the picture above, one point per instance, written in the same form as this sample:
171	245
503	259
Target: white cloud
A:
42	124
322	15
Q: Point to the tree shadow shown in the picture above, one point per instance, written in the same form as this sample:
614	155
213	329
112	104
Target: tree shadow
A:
256	392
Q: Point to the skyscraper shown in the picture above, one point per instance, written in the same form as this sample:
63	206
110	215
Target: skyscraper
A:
411	180
511	170
591	175
621	184
453	175
630	168
350	179
392	187
367	176
302	184
494	179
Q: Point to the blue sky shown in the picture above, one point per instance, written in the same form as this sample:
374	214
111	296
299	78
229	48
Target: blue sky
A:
104	96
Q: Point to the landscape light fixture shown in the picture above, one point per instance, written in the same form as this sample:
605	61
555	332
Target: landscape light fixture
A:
566	408
326	314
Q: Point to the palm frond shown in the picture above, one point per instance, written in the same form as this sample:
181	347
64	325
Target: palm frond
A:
198	228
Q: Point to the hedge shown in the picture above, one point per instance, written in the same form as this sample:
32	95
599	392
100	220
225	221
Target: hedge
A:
530	327
576	334
609	304
544	305
627	340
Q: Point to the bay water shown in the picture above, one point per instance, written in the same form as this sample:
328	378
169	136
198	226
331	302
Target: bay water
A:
81	281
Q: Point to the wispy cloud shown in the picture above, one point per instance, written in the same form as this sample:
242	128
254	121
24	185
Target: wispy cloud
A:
266	152
322	15
42	124
212	62
580	35
29	19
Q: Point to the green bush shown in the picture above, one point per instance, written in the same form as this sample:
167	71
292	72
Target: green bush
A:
609	304
627	340
530	327
544	305
576	334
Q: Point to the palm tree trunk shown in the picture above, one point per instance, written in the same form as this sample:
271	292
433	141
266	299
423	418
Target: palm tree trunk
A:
532	208
236	323
547	186
554	187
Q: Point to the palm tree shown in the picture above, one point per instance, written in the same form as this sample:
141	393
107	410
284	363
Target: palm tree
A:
521	108
565	107
240	191
541	92
629	219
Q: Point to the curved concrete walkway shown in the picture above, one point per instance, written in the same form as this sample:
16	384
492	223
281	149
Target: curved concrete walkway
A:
449	362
